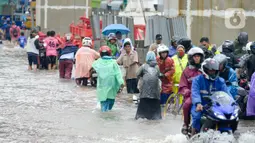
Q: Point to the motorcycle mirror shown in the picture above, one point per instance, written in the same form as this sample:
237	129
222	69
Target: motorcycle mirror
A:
207	99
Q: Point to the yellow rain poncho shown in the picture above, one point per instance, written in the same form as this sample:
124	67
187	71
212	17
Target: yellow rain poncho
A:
179	65
109	78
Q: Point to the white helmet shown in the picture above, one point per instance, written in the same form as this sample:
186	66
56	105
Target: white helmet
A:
248	47
87	42
162	48
194	51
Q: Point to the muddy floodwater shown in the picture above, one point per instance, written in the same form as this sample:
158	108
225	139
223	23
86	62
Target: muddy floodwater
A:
38	107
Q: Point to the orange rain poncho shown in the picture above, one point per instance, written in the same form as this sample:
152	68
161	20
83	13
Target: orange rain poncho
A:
84	59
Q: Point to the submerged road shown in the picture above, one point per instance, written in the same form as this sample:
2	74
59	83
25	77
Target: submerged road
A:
38	107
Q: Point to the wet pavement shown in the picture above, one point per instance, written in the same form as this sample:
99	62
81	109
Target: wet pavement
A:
38	107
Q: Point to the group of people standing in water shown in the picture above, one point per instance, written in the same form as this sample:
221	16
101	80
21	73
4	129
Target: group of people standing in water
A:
198	71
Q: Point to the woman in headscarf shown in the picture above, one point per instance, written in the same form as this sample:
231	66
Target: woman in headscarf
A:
149	106
129	59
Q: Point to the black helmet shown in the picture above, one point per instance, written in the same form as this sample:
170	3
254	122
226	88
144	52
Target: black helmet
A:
195	51
210	65
174	39
221	59
243	38
186	42
228	46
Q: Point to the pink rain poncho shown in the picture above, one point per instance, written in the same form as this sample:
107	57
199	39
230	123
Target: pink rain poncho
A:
84	59
251	99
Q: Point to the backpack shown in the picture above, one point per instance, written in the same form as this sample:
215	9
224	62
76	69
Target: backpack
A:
15	32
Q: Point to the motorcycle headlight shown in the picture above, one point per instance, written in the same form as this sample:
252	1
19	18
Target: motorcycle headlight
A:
234	117
236	111
220	116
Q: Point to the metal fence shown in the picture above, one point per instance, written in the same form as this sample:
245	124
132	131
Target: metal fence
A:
167	27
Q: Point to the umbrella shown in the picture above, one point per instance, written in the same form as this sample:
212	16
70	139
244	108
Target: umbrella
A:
113	28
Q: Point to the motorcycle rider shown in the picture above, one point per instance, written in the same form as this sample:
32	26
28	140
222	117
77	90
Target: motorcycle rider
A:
186	42
228	50
227	73
204	85
204	41
195	58
246	63
173	47
250	62
85	57
240	44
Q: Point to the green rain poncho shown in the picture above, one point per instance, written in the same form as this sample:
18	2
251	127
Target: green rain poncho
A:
109	78
114	47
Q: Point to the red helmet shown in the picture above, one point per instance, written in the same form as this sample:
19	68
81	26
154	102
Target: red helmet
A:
104	49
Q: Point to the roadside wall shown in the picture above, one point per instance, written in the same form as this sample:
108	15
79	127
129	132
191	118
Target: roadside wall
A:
59	14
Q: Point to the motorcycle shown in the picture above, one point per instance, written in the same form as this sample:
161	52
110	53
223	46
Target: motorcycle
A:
241	100
220	113
93	77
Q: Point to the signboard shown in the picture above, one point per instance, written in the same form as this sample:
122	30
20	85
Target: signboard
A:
95	3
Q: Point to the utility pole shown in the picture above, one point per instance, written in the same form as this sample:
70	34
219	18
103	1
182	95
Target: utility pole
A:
141	2
32	9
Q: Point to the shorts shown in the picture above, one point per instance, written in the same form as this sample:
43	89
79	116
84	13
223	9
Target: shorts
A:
51	60
32	59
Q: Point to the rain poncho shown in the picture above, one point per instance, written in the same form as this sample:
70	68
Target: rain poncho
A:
149	72
239	49
166	67
179	65
186	80
251	98
229	75
172	51
203	87
211	48
84	60
185	89
109	78
149	105
114	47
250	66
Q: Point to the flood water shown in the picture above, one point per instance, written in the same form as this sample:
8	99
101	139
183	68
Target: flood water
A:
38	107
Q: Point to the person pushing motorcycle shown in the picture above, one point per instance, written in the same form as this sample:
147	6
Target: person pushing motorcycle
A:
205	85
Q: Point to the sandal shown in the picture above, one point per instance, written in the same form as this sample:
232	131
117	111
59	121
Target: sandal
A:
185	129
